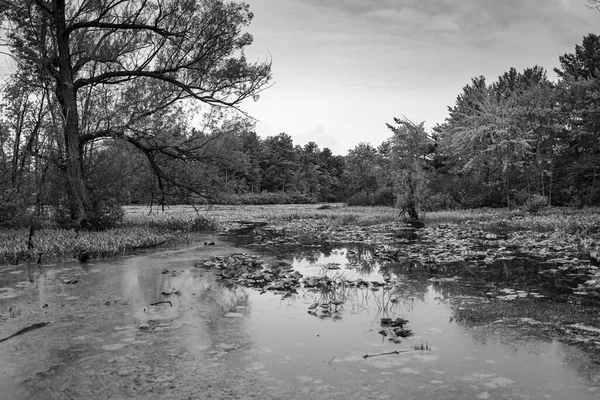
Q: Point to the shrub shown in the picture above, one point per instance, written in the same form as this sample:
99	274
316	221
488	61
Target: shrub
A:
535	203
264	198
107	215
383	197
13	211
359	199
439	201
204	224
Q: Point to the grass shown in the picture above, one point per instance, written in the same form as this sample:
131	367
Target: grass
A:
68	244
142	227
138	230
336	214
179	218
585	222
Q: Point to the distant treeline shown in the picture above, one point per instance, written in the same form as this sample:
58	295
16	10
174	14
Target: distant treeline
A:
520	139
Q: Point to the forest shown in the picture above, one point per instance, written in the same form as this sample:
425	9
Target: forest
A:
148	112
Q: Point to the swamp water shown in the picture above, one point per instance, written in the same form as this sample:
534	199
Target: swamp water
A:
206	338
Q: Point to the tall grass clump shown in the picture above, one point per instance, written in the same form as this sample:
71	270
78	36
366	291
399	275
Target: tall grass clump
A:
70	244
177	219
338	215
584	222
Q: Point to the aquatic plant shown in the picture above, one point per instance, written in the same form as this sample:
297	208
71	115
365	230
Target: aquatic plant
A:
70	244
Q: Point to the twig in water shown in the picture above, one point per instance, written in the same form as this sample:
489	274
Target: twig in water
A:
162	302
25	330
387	354
331	360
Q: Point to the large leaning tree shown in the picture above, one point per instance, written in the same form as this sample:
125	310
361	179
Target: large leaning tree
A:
121	69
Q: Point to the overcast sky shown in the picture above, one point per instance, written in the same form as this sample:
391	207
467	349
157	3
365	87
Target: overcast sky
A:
343	68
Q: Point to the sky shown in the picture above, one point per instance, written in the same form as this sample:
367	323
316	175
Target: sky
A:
342	69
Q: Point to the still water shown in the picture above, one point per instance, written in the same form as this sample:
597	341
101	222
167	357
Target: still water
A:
210	339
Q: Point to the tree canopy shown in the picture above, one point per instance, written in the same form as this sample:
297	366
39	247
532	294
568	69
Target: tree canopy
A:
125	69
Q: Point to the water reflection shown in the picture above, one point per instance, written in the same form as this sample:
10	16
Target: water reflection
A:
215	329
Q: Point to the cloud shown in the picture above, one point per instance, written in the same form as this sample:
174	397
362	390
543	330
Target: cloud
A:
345	67
473	21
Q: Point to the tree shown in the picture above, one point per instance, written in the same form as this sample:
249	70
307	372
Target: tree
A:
330	179
139	58
411	146
278	162
360	171
309	169
579	106
501	144
494	142
463	186
584	63
252	149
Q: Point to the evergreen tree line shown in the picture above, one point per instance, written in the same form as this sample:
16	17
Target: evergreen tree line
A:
520	140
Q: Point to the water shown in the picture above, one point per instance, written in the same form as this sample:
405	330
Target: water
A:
218	340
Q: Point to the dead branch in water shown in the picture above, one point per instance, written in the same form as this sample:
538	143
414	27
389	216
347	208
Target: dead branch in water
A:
387	354
25	330
162	302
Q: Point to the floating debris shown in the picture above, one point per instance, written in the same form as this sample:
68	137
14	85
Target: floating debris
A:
25	330
168	292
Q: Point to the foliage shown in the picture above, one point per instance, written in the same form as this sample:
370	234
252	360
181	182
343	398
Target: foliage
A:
266	198
140	135
411	145
360	171
106	215
13	211
203	224
535	203
381	197
69	244
91	72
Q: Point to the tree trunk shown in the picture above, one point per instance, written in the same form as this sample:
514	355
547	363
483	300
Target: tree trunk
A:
507	188
80	204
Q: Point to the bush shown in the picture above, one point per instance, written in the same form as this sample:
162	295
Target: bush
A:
264	198
13	211
440	201
106	215
520	197
359	199
204	224
381	197
535	203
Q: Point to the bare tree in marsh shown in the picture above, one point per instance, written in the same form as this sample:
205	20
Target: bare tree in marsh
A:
142	57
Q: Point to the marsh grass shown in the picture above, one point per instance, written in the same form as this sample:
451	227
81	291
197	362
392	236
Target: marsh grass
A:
141	228
178	218
69	244
336	214
583	222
